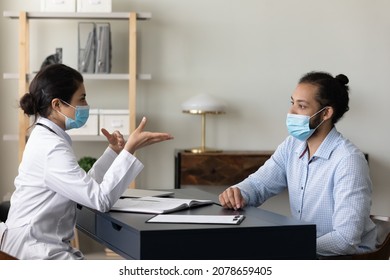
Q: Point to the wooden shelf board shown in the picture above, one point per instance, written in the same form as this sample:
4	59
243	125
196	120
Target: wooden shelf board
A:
87	76
71	15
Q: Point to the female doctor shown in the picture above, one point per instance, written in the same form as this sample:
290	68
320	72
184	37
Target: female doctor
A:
50	182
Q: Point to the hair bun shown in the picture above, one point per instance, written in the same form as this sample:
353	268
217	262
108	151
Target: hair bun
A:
342	79
27	104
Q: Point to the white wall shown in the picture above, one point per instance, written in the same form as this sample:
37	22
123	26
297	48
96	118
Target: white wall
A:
249	53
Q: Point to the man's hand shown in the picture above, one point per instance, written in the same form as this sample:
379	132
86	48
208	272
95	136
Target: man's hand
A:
232	198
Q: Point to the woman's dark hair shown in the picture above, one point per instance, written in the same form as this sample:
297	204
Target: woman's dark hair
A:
332	91
53	81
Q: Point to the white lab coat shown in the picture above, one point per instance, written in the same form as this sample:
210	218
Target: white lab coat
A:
50	183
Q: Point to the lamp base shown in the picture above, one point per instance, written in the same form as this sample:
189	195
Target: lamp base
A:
202	150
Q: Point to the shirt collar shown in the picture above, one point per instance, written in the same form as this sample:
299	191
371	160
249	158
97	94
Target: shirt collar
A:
301	149
58	130
326	147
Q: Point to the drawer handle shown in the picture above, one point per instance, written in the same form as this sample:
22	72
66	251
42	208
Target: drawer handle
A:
116	226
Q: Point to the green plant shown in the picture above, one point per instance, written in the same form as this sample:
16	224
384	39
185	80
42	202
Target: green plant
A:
86	163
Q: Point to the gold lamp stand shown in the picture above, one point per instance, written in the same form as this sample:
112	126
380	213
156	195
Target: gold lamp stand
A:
203	148
202	105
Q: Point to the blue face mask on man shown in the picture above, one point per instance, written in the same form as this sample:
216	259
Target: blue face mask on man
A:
299	125
81	117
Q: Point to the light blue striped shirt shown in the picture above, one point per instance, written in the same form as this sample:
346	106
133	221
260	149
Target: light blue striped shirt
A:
331	190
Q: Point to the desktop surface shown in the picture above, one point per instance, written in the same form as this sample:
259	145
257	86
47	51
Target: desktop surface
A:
261	235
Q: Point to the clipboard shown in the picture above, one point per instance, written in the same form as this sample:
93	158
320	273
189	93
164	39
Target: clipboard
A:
197	219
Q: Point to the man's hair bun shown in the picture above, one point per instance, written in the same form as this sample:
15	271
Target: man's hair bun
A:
342	79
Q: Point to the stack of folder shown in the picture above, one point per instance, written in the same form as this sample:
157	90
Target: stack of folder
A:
94	51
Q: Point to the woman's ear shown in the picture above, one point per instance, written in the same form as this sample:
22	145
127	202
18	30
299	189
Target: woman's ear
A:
55	103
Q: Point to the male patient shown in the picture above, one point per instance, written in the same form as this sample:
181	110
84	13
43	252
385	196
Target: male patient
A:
326	175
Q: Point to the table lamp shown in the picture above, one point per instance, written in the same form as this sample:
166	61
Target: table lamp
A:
203	104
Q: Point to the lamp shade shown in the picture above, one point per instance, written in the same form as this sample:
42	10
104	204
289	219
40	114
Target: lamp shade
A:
203	104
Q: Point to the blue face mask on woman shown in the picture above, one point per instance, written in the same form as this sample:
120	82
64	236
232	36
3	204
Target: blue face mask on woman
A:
81	117
299	125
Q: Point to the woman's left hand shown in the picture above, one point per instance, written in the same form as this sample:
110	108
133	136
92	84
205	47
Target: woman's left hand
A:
115	140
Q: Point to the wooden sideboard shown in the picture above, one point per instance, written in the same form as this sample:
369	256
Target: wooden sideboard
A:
216	169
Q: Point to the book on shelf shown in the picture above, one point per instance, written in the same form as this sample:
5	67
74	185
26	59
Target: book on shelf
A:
157	205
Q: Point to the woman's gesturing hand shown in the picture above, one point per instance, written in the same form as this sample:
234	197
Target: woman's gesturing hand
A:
140	138
115	140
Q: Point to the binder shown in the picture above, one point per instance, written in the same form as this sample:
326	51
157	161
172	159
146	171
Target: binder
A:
86	47
103	52
94	47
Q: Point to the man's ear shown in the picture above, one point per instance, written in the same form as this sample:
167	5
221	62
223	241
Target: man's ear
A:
328	113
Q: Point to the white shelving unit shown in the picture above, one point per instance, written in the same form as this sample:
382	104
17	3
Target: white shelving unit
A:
24	76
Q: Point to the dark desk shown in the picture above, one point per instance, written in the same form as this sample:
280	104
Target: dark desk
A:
262	235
